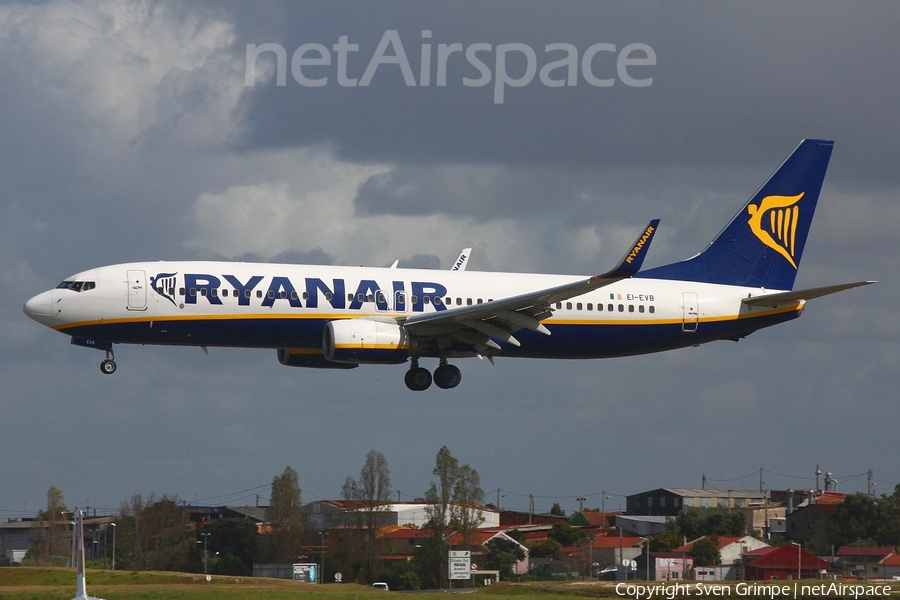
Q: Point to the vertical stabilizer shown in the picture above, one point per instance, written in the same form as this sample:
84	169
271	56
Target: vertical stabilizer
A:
80	586
762	245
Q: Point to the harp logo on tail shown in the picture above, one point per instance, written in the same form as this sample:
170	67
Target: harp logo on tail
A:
774	222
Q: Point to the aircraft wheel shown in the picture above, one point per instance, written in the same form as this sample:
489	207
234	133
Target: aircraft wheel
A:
108	367
418	379
447	376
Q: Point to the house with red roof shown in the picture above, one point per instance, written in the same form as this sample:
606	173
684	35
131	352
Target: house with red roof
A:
862	562
731	552
785	562
889	567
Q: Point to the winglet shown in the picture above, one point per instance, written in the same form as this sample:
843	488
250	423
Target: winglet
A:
631	262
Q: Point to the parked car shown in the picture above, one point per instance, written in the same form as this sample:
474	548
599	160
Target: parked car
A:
380	585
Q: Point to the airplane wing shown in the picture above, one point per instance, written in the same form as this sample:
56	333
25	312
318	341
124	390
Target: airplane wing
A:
462	261
792	297
498	319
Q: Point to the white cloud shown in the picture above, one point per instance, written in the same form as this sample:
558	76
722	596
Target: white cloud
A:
124	68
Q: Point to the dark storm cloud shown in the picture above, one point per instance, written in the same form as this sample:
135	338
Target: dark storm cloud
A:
751	73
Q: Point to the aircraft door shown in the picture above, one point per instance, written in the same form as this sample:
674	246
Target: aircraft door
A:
137	290
691	312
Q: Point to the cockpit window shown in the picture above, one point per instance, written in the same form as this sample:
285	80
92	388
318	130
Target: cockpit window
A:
77	286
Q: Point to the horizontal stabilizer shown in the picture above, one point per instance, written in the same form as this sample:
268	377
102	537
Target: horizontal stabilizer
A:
784	298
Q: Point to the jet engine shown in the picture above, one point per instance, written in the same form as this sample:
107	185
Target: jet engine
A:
312	359
364	341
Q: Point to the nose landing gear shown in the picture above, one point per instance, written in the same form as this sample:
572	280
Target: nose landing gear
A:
108	365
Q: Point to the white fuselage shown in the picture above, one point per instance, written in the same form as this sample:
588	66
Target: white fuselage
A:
286	306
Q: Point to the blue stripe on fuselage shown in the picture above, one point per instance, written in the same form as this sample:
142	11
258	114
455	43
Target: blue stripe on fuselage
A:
581	340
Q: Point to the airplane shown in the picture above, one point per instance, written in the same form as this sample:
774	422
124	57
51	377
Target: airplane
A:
339	317
80	583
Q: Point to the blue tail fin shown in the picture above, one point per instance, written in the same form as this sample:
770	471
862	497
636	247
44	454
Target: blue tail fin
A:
762	245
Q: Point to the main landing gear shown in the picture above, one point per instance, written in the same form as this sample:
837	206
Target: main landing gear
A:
446	376
108	366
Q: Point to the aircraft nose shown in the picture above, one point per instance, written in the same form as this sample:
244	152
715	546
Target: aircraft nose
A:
38	308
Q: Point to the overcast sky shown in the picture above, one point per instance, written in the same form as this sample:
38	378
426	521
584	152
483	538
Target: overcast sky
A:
128	132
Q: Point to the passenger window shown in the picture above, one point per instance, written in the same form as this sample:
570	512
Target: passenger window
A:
568	306
401	298
224	292
259	293
328	296
236	293
293	295
193	291
590	306
306	295
426	299
203	292
214	292
414	299
449	301
349	297
468	302
181	291
652	309
370	298
558	305
621	308
361	297
641	308
437	300
283	294
479	301
578	306
271	294
246	293
380	297
631	308
609	307
459	301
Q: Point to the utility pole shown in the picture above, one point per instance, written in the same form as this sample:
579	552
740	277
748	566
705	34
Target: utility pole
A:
703	484
761	480
870	486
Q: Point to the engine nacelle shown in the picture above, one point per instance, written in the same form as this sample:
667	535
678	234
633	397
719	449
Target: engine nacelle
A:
363	341
312	359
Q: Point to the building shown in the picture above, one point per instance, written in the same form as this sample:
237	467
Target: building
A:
322	515
862	562
665	566
786	562
731	557
641	526
670	501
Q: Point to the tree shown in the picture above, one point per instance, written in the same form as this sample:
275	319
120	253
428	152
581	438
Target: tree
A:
370	497
696	522
706	551
557	510
438	497
285	540
153	535
235	542
50	541
547	548
465	511
502	556
567	535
